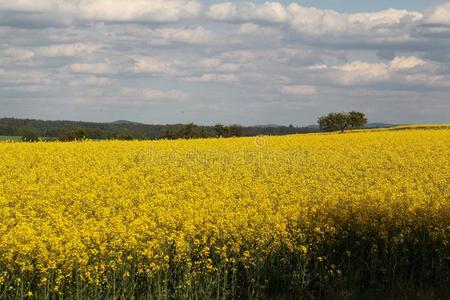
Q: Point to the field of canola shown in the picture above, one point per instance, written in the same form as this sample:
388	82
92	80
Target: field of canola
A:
224	218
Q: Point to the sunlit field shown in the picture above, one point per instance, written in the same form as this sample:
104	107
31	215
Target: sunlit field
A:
295	216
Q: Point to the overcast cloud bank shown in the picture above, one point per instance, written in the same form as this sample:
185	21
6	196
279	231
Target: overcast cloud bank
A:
181	61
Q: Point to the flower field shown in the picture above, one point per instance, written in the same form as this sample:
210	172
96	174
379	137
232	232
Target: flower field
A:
224	218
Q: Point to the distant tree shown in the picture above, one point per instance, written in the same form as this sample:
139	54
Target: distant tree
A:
221	130
72	135
342	121
186	131
8	130
69	130
189	131
356	119
30	135
203	133
124	135
228	131
235	130
333	122
169	133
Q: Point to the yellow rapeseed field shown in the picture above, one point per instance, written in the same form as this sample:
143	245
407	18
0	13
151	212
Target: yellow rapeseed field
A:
223	218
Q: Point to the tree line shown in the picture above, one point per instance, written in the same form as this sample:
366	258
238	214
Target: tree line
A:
33	130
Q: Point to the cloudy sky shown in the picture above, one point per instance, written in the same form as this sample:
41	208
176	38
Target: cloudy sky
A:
178	61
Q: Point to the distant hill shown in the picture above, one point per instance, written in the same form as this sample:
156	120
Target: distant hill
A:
268	126
313	126
370	125
379	125
122	122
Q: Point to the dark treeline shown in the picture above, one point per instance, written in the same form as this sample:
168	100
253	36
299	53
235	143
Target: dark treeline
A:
71	130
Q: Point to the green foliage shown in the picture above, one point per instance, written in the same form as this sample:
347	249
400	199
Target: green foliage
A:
228	131
70	130
235	130
221	130
356	119
73	135
187	131
342	121
30	135
125	135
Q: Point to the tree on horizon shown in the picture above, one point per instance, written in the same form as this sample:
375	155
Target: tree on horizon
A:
341	121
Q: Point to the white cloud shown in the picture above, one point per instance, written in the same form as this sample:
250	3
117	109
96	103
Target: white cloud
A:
110	10
18	53
313	21
91	68
62	50
359	72
14	78
235	53
362	73
385	20
211	77
405	63
154	65
306	20
139	10
222	11
440	15
268	12
143	96
28	5
197	35
429	79
241	56
37	13
210	62
158	94
316	21
299	89
91	81
131	97
271	11
248	28
318	67
227	68
258	31
217	65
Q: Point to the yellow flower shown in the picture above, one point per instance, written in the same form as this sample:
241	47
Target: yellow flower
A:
84	212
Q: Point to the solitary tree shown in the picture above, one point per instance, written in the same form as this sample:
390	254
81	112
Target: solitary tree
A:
342	121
